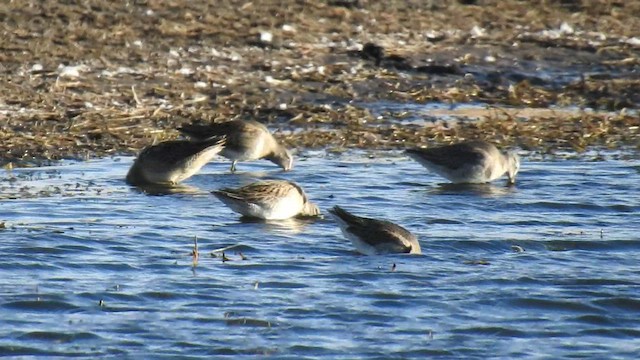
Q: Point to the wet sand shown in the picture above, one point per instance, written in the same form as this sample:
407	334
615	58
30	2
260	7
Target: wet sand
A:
99	78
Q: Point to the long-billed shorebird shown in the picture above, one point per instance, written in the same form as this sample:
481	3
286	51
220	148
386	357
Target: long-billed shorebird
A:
171	162
246	140
375	237
268	200
468	162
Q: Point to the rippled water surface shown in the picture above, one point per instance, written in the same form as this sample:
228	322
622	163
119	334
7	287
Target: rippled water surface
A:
94	268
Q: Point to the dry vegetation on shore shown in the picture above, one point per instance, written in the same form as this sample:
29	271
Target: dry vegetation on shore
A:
91	78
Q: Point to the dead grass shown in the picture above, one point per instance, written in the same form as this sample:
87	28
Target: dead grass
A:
94	78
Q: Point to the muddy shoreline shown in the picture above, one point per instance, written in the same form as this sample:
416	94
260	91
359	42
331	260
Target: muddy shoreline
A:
96	78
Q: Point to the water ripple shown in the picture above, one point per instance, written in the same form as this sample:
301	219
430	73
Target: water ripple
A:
553	305
40	306
491	331
631	305
57	337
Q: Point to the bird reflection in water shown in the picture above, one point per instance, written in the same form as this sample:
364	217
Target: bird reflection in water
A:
484	190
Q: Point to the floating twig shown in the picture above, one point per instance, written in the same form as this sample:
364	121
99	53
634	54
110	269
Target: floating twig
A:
194	252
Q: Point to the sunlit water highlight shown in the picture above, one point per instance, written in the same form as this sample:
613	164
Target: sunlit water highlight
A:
94	268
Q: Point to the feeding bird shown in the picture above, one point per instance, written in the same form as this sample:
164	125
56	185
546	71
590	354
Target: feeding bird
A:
246	140
268	200
468	162
375	237
171	162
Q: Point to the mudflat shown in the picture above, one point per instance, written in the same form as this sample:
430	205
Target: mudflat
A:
94	78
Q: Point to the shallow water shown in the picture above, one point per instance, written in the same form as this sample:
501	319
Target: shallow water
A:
93	268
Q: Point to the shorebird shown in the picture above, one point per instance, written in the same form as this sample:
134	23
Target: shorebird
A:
246	140
468	162
171	162
268	200
375	237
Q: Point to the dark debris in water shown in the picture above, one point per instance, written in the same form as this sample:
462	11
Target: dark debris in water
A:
65	96
477	262
232	320
248	322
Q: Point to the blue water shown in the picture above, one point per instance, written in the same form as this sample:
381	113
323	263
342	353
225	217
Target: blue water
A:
93	268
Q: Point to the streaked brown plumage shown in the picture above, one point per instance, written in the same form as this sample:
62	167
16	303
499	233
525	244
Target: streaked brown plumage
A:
269	200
